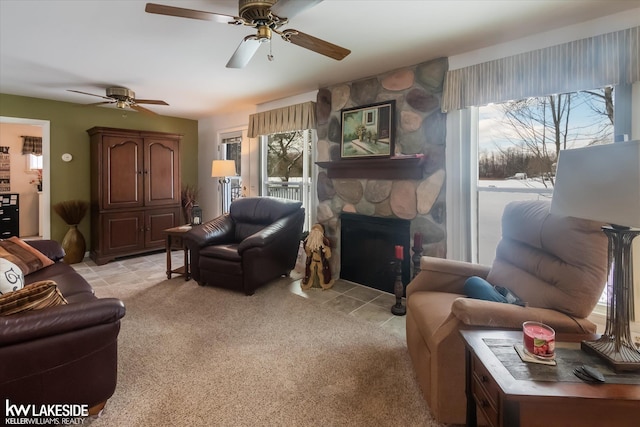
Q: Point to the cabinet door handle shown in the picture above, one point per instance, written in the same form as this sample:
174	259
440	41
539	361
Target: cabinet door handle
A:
484	378
148	228
484	403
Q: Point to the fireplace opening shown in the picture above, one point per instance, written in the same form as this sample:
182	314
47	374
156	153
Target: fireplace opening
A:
367	250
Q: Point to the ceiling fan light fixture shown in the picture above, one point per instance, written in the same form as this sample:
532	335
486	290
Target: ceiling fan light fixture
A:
264	34
122	104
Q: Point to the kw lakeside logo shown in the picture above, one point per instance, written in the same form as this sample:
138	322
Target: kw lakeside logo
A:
48	414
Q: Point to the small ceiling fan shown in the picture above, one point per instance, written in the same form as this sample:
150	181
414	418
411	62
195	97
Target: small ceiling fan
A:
266	16
123	98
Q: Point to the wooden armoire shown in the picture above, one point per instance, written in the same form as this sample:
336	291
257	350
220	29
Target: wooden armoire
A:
135	191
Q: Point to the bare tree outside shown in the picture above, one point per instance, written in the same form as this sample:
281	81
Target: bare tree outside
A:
533	131
284	165
284	155
601	102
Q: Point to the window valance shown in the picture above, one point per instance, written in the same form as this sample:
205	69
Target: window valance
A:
607	59
32	145
286	119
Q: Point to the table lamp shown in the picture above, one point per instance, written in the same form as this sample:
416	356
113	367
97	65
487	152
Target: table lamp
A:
602	183
223	169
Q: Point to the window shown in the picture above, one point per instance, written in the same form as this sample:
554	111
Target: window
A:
556	69
34	162
286	167
511	168
232	146
518	147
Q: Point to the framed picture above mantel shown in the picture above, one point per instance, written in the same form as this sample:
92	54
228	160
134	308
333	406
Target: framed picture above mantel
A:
368	131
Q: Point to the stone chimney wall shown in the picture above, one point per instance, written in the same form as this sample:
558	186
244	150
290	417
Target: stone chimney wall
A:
420	128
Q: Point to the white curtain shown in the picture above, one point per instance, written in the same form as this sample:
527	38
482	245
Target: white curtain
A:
594	62
286	119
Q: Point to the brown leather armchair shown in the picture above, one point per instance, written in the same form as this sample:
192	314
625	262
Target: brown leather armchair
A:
558	265
256	242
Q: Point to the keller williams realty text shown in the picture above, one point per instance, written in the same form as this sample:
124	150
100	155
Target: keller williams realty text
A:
43	414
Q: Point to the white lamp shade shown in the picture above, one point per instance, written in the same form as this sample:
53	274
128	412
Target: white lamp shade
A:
601	183
223	168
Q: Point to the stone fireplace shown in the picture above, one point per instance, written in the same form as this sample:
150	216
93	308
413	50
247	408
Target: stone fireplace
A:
404	188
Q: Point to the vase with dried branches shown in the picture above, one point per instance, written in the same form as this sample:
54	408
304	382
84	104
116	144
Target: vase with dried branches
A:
189	195
73	243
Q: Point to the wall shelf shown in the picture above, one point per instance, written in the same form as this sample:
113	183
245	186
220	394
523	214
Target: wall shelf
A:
387	168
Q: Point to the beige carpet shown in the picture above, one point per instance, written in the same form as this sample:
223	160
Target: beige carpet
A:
201	356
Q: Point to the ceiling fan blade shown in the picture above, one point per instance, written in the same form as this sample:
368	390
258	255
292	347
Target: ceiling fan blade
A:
149	101
99	103
315	44
141	109
243	54
289	8
161	9
87	93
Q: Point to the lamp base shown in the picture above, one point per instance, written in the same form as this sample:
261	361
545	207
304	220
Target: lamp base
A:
615	345
224	194
627	358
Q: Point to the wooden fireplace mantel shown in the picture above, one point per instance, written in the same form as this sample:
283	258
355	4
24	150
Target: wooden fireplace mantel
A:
387	168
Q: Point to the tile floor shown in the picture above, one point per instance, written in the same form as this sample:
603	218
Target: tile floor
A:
353	299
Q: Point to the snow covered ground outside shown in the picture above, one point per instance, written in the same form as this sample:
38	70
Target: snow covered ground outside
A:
527	183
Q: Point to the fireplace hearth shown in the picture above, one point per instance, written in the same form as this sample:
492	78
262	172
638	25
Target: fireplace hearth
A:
367	250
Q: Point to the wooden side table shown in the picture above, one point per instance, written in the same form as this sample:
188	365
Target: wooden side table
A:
174	240
525	394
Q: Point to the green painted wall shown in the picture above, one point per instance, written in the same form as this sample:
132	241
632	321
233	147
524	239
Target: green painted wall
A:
69	123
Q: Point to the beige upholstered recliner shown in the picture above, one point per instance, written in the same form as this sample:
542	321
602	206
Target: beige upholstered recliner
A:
557	265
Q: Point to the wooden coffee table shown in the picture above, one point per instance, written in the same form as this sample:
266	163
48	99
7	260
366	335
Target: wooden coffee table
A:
510	392
174	240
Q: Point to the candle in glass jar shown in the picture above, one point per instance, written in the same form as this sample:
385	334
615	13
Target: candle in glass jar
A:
417	240
399	252
539	339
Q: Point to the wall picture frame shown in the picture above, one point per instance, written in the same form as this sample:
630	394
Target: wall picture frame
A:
368	131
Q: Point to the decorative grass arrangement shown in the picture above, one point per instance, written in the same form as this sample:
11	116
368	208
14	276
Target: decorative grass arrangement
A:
189	195
71	211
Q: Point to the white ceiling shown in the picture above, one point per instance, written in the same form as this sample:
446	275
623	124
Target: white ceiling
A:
47	47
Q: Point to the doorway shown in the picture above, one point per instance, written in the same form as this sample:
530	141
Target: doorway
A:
45	198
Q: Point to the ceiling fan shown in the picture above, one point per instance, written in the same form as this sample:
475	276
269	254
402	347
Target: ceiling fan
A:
123	98
266	16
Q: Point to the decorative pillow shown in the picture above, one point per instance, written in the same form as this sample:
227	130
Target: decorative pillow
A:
11	278
35	296
28	258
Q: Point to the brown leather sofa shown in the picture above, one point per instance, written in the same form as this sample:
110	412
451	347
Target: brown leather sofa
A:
558	265
62	354
256	242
